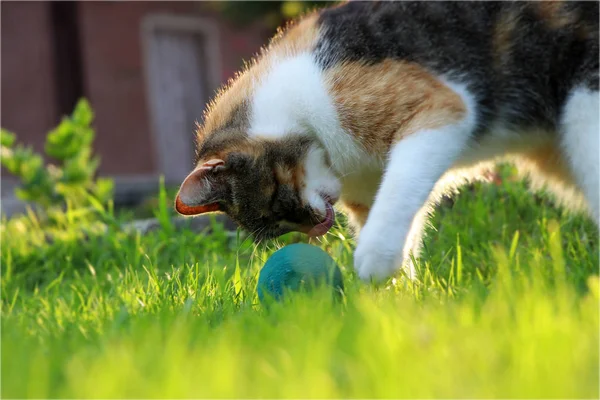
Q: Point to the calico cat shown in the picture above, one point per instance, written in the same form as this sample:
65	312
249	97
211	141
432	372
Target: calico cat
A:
379	106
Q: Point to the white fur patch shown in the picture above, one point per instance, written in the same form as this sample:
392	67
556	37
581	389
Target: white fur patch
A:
319	181
293	99
580	128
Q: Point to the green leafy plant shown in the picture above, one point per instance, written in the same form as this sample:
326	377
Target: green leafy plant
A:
73	179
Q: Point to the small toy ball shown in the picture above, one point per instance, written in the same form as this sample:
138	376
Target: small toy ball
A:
295	267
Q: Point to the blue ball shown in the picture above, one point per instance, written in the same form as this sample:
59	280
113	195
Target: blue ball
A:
295	267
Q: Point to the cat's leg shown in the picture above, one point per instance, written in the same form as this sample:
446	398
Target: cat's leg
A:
446	186
416	162
414	242
357	218
580	129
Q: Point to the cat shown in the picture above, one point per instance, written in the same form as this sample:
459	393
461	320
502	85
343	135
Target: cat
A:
378	107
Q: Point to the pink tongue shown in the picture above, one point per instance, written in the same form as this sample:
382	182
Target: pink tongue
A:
324	226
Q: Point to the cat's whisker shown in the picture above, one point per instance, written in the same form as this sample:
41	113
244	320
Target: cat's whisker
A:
248	237
258	243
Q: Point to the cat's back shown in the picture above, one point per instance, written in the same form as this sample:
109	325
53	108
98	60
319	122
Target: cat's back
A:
520	58
372	31
453	34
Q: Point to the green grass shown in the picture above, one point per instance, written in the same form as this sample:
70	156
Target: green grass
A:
506	306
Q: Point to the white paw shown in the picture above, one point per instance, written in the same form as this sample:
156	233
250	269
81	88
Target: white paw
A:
376	261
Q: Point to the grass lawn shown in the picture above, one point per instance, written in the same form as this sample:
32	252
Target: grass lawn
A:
507	305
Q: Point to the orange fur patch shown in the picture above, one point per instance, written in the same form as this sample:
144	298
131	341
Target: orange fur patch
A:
297	38
298	177
546	168
283	174
293	176
503	36
357	214
379	104
554	14
547	162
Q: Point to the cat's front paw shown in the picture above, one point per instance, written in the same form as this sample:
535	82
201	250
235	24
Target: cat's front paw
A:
373	261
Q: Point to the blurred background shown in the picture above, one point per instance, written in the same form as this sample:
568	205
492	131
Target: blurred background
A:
146	68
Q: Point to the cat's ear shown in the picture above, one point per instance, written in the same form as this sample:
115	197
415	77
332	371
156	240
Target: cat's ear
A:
200	192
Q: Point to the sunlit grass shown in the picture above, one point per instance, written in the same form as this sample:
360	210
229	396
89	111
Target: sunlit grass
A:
506	306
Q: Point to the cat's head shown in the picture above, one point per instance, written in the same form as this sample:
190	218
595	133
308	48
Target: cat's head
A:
269	187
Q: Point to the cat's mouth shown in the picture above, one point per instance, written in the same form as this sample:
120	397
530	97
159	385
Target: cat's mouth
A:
326	223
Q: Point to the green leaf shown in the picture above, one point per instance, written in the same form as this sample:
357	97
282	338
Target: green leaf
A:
62	142
163	213
103	189
8	160
83	114
75	172
7	138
